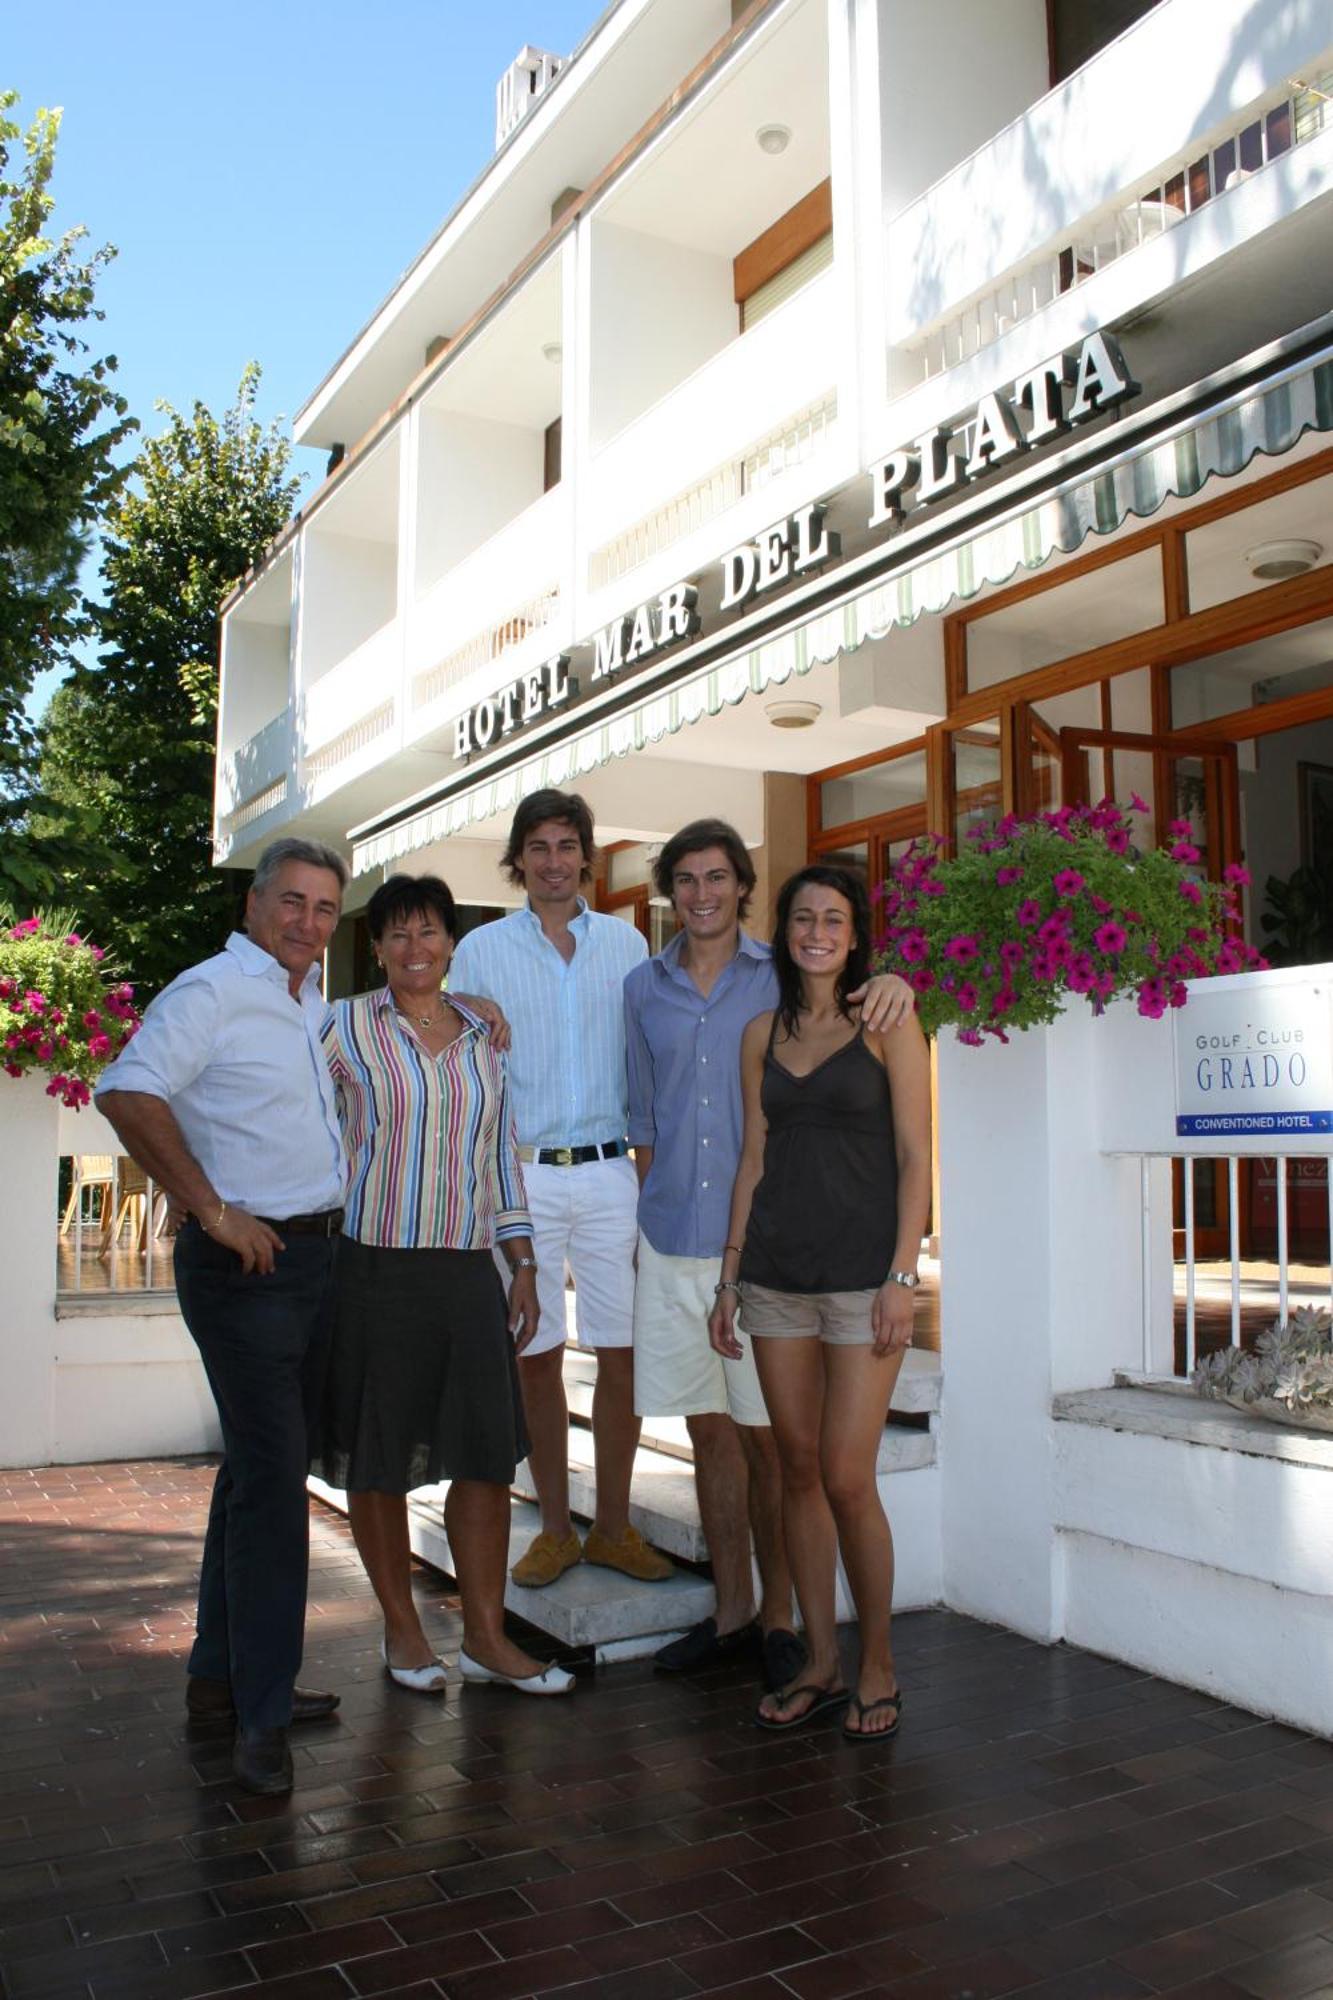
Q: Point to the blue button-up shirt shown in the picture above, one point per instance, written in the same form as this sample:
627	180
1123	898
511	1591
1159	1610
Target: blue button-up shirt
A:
567	1064
684	1055
241	1065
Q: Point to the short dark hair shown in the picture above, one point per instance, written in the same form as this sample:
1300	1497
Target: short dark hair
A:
824	875
692	839
534	811
404	896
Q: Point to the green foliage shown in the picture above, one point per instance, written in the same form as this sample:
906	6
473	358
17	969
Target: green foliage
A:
61	1009
1034	910
1298	917
61	423
132	740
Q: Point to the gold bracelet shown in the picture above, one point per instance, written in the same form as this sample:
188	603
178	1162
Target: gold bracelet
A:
216	1223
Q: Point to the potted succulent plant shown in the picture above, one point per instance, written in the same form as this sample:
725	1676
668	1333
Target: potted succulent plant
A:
1288	1378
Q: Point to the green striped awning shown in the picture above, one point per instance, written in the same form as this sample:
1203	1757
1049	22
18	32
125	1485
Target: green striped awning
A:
1268	420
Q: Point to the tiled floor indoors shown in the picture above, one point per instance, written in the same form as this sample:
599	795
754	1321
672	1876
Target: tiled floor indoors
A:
1047	1824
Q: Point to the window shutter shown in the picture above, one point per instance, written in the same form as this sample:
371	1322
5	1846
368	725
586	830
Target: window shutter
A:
784	284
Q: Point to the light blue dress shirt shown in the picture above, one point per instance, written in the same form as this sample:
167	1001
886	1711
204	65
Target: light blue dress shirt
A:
567	1063
684	1056
241	1065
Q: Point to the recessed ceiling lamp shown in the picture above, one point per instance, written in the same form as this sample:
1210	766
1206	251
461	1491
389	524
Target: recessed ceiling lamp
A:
792	714
1273	562
773	138
553	352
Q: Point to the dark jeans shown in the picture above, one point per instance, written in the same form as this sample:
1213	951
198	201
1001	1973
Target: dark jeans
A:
264	1343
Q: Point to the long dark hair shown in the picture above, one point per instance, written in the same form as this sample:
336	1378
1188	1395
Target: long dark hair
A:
857	969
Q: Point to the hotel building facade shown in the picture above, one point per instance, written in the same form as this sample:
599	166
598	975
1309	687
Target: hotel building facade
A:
852	417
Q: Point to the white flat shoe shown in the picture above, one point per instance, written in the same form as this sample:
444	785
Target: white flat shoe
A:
430	1679
551	1680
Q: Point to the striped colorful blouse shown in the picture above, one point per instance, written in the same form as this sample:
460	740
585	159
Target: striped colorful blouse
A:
431	1150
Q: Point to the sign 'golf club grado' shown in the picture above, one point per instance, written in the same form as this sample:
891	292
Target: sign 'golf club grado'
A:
1039	406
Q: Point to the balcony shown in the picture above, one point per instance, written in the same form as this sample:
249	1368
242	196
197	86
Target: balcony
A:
506	601
252	779
1074	185
764	406
350	710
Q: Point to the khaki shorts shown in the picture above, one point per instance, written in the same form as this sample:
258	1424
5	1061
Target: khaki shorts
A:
677	1373
842	1319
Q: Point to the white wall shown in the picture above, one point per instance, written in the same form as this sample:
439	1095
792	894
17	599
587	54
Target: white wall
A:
124	1381
350	589
658	311
256	681
473	476
949	79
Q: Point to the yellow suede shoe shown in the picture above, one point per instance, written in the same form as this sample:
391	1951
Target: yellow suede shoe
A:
631	1555
545	1559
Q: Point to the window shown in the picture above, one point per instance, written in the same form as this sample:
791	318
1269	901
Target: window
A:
1076	29
789	254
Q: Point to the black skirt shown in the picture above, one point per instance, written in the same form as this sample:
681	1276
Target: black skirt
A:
422	1381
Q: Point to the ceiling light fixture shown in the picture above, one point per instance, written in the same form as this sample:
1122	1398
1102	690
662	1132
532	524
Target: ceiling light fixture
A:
793	714
553	352
1274	562
773	138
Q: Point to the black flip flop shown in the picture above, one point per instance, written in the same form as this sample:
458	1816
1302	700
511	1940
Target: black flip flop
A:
824	1700
865	1708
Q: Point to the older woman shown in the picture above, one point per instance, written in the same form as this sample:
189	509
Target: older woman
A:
422	1381
828	1208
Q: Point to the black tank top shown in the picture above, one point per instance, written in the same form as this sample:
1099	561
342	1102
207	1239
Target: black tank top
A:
825	1213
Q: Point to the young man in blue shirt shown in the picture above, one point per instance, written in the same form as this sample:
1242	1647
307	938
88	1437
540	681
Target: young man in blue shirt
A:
685	1014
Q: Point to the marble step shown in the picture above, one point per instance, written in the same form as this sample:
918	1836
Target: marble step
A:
586	1607
916	1393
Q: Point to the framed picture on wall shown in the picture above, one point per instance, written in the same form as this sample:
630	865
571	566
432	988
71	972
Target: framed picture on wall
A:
1315	786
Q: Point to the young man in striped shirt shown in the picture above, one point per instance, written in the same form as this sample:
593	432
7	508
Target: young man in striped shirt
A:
557	969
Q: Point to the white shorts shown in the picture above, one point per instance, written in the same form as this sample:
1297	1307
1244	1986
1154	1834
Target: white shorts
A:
584	1218
676	1371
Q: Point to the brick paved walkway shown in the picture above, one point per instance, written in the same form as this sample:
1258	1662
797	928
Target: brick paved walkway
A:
1047	1824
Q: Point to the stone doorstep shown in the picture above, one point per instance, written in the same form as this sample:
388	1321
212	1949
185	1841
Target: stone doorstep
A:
663	1503
587	1607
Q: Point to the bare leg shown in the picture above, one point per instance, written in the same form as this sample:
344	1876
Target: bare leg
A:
476	1519
791	1374
721	1482
856	1403
770	1544
379	1528
615	1438
547	1414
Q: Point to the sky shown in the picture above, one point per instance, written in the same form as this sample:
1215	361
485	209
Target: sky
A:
266	169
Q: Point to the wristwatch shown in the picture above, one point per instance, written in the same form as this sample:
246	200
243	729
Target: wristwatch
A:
523	1264
907	1279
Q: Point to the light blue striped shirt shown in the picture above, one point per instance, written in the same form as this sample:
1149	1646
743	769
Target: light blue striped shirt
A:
567	1065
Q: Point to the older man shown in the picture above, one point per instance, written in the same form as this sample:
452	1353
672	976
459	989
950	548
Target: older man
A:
224	1098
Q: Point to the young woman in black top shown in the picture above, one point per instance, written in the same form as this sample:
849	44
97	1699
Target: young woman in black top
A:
827	1214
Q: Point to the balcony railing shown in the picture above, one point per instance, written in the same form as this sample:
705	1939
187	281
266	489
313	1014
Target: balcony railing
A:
788	444
348	707
765	403
252	778
505	599
1269	127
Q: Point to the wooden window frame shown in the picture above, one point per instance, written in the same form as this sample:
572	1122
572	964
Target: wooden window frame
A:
804	223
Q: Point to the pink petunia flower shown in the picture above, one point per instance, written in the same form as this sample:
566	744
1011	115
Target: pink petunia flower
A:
962	950
1235	874
1184	850
1191	891
1028	913
1110	938
1068	882
1004	877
